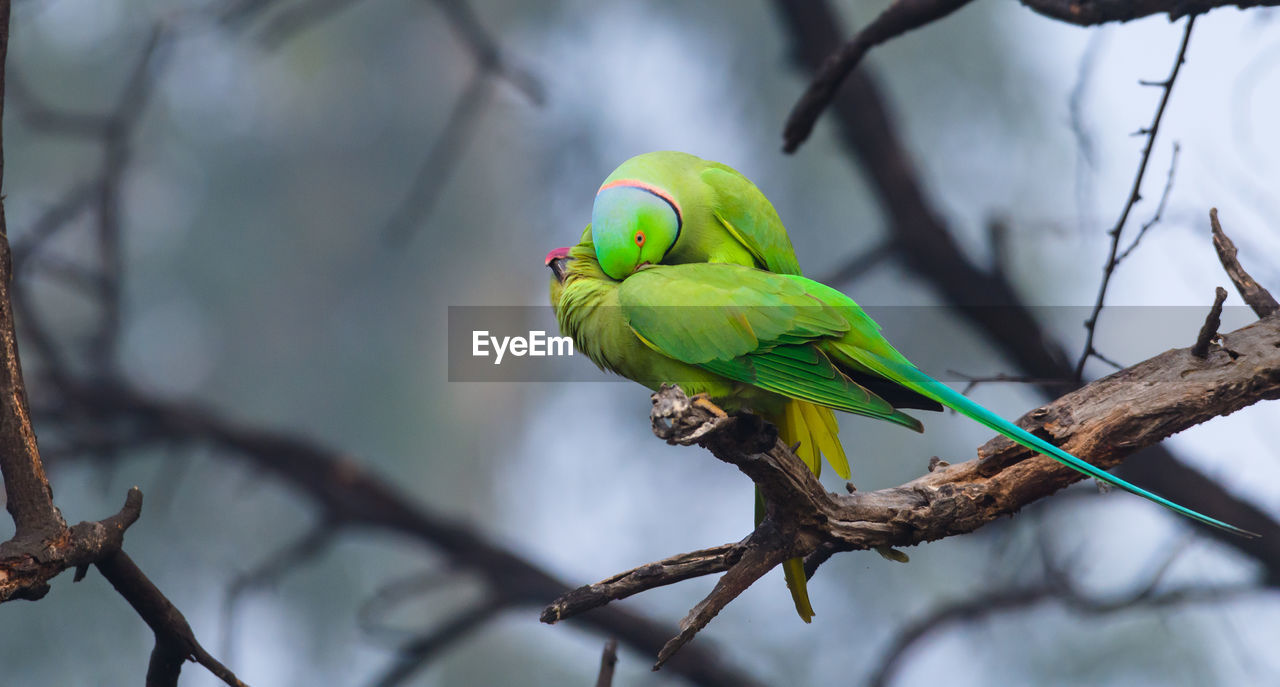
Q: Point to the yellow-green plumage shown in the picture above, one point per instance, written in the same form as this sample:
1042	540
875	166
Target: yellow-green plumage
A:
762	360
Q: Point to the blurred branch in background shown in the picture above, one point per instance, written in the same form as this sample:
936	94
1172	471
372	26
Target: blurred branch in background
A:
608	660
1054	585
1093	12
100	196
443	155
351	499
43	546
99	417
899	18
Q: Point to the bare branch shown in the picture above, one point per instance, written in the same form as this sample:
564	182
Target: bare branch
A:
27	565
175	642
1258	298
486	51
899	18
1212	321
1093	12
297	18
293	555
1135	194
1104	423
415	654
1159	213
972	381
459	129
754	562
608	660
980	607
28	497
861	263
667	571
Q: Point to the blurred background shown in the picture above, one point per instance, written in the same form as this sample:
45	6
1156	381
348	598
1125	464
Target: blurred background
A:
285	198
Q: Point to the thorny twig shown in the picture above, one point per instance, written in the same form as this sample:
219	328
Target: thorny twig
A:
1135	194
1159	213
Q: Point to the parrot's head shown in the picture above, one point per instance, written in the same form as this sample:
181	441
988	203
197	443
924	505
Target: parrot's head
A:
633	224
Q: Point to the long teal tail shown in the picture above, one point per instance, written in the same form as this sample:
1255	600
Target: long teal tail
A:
911	377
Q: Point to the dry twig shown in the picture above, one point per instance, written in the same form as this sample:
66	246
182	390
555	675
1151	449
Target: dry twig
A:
1258	298
1135	194
1212	321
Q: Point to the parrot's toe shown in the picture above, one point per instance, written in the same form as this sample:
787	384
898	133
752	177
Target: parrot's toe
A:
704	402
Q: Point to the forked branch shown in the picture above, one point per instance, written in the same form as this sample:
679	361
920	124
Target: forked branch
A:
1103	422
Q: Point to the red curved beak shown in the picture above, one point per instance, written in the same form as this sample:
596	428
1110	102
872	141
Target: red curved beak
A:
556	253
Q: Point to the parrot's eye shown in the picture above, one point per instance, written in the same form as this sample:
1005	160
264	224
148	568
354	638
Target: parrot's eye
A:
640	238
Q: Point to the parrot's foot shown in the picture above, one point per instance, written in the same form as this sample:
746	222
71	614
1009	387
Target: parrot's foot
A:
704	402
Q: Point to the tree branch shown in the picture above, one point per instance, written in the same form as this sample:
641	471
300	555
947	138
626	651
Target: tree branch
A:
27	565
899	18
608	660
28	497
1258	298
1104	423
1212	321
175	642
1135	194
1093	12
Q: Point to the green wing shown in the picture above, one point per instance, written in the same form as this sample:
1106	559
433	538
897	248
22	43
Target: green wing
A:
751	326
749	217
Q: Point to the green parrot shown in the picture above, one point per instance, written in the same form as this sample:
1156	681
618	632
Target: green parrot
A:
755	340
670	207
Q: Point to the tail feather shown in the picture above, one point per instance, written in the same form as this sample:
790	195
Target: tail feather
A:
813	431
794	431
911	377
824	434
793	571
